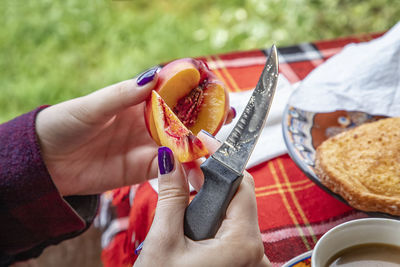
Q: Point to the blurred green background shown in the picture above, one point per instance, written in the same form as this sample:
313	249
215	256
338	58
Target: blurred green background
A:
55	50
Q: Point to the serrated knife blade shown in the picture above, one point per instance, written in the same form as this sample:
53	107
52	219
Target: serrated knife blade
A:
236	150
223	171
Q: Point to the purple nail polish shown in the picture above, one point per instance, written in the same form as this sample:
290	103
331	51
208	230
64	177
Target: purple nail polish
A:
234	112
146	76
165	160
139	248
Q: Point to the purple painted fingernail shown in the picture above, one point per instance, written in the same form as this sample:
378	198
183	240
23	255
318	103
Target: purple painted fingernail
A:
146	76
234	112
165	160
138	249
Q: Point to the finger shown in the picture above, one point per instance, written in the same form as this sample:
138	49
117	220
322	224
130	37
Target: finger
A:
210	142
109	101
173	195
240	227
194	173
192	169
243	205
265	262
241	215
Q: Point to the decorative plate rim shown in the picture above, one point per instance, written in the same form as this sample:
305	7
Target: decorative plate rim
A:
295	155
298	259
298	160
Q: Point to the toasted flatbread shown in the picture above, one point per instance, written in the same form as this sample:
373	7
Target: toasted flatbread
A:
363	166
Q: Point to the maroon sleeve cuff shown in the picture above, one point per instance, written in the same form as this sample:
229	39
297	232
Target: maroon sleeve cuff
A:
32	211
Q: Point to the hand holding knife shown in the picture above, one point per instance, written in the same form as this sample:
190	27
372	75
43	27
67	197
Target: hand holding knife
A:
223	171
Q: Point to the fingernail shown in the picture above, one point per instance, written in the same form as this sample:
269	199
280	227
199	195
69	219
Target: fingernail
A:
138	249
147	76
165	160
234	112
207	133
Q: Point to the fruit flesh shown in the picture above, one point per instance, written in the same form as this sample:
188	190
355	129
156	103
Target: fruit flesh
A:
173	133
210	114
186	82
176	85
194	100
188	107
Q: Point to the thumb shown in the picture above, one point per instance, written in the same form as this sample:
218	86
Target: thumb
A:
173	195
106	102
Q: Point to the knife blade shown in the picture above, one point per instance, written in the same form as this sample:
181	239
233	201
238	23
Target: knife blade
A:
223	171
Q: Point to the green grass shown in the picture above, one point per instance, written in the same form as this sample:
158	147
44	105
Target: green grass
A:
55	50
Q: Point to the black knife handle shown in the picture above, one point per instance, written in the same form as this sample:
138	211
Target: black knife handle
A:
205	213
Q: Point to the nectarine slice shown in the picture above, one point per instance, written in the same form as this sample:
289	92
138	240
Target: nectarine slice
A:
173	133
195	95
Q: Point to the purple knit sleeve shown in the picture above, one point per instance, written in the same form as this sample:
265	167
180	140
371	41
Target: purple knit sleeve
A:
32	212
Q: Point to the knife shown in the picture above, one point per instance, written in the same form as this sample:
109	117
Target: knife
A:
223	170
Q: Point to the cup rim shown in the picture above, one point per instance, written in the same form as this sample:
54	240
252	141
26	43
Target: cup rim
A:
360	222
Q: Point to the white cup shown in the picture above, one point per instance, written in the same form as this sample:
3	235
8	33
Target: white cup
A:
352	233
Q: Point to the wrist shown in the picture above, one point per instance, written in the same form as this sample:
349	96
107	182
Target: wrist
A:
42	127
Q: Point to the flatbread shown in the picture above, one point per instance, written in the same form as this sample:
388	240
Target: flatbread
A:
363	166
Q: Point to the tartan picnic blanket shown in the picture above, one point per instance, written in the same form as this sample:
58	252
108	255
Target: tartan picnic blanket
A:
293	211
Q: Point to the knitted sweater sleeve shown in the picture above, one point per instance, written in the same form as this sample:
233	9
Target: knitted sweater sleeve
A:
33	214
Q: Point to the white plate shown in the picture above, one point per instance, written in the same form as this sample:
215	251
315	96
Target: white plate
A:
304	131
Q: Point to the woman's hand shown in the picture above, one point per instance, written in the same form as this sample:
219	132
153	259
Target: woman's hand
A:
237	242
99	141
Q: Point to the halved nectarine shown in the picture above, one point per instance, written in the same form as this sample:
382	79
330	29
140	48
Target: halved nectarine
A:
173	134
197	98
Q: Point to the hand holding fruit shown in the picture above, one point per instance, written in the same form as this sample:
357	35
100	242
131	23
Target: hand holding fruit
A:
99	141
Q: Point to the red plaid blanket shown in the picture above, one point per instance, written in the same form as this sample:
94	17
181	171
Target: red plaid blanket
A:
293	212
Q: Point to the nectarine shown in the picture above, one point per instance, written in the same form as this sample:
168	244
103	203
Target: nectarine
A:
173	134
197	98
